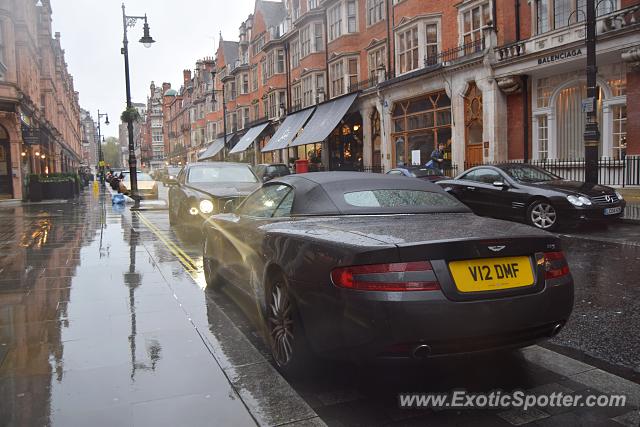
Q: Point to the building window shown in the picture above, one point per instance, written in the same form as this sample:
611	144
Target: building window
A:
353	73
307	91
335	22
305	41
245	83
352	17
279	61
313	4
3	67
375	11
256	111
431	44
543	137
320	89
337	78
265	107
419	125
254	79
619	131
408	50
273	105
245	117
257	45
297	97
318	39
542	14
375	63
295	54
271	63
474	20
263	66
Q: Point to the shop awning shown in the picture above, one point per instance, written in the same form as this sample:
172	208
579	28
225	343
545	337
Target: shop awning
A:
324	120
248	138
215	147
288	130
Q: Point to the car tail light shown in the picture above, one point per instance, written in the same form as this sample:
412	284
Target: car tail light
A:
396	277
555	265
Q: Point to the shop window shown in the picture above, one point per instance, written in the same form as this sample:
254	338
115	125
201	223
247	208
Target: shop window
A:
419	125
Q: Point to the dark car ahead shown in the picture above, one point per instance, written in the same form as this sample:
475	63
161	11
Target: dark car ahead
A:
170	175
421	172
355	265
203	189
525	192
267	172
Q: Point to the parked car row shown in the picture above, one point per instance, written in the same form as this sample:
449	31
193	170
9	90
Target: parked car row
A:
401	263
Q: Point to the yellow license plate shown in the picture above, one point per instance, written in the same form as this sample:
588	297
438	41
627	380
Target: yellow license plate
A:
491	274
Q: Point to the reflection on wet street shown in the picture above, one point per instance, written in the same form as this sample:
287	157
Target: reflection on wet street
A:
103	317
91	330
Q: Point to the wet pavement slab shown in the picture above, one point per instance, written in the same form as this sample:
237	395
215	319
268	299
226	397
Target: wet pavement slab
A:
104	318
100	324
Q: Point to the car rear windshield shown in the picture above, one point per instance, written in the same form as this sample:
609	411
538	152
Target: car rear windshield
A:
419	173
281	169
530	174
401	199
141	177
221	174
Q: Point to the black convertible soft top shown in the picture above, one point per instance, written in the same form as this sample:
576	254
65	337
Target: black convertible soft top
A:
322	193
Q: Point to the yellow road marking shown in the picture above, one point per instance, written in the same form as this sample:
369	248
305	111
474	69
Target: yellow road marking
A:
188	263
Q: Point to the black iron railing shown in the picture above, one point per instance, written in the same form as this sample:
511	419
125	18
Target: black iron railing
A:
611	171
455	53
365	84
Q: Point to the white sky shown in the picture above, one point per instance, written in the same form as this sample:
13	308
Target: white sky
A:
184	31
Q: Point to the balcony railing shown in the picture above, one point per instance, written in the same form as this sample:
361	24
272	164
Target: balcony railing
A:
365	84
450	55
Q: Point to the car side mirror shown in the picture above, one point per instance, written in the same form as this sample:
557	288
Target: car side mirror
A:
500	184
228	207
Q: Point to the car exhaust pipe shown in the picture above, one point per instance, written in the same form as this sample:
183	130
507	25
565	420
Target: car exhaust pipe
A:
556	328
422	351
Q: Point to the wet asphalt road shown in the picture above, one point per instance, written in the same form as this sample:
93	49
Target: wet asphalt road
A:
65	331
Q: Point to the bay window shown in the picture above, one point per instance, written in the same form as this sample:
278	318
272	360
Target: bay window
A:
336	74
344	75
295	53
408	58
376	62
335	22
305	41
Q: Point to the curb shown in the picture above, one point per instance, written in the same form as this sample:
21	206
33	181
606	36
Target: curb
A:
271	401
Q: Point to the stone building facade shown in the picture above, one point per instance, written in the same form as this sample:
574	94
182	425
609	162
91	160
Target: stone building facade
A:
89	139
39	109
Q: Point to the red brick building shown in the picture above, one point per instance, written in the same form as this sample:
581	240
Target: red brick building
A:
369	84
39	109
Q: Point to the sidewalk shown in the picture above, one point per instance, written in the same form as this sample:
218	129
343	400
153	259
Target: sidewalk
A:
101	325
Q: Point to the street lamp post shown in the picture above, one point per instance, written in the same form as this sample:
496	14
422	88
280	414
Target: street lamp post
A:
224	107
100	156
146	40
591	131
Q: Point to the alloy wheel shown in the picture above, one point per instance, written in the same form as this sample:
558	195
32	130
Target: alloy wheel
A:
281	325
543	215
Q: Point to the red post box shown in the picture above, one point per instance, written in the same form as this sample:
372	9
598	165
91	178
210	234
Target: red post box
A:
302	166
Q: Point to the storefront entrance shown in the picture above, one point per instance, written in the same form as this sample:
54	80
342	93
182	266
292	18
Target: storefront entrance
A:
473	126
6	179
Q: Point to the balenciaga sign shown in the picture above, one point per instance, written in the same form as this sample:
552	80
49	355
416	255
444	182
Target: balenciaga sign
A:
560	56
